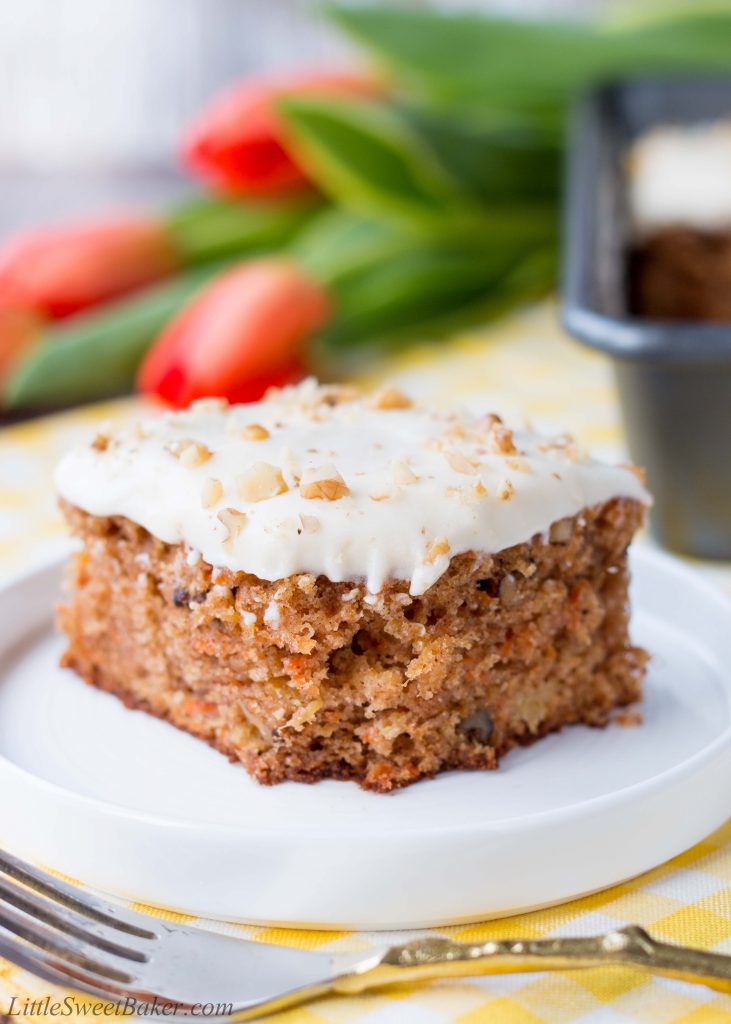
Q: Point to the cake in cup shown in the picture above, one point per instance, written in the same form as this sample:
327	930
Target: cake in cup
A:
679	199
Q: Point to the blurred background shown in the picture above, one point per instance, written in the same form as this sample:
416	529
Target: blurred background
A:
104	89
216	196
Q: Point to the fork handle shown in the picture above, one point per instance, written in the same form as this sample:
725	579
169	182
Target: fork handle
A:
432	958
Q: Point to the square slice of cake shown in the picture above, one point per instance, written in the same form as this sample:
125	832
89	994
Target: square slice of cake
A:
328	586
679	198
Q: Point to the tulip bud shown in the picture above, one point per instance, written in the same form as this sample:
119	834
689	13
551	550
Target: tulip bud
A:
237	145
61	270
238	336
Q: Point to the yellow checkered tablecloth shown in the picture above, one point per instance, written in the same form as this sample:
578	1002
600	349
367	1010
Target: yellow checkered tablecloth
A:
525	366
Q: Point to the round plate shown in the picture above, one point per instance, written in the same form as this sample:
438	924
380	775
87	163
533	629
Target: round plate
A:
132	806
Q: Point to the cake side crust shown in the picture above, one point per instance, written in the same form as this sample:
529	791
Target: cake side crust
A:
307	679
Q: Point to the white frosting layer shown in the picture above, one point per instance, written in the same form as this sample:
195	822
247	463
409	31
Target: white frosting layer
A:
681	175
408	488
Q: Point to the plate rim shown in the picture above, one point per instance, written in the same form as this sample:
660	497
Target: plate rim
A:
640	553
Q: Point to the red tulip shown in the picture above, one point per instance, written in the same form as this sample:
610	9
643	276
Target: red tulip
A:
61	270
237	144
241	334
20	328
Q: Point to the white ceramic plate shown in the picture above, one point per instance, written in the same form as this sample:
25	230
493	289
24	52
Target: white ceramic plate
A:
132	806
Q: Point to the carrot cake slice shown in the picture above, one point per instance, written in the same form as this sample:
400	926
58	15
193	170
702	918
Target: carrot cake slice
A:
680	222
330	586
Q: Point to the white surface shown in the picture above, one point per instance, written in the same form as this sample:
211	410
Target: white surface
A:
422	486
681	175
129	805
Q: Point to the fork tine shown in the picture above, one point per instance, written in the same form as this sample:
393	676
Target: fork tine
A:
69	951
43	966
62	919
90	906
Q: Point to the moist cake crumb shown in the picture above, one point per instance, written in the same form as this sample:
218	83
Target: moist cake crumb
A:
377	662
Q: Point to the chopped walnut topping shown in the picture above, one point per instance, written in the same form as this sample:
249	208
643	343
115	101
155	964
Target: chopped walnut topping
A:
324	483
260	482
390	398
502	440
336	394
571	450
310	524
100	442
490	420
565	445
190	453
637	471
436	549
209	405
234	522
194	455
480	489
506	491
403	474
460	463
379	496
254	432
212	492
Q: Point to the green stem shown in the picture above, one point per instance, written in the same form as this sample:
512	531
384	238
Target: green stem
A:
96	355
211	229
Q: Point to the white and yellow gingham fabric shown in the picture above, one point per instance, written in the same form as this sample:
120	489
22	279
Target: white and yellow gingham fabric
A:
524	366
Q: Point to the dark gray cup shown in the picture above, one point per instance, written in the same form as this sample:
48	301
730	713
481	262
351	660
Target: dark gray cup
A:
674	379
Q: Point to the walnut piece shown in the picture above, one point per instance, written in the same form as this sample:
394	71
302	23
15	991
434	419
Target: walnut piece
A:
212	492
390	398
234	522
260	482
310	524
460	463
502	440
489	420
254	432
209	405
403	474
336	394
324	483
506	491
189	453
436	549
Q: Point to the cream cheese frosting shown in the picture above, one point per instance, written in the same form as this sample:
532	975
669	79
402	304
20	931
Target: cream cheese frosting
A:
681	175
316	480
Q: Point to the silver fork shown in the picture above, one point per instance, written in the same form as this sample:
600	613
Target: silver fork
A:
68	937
